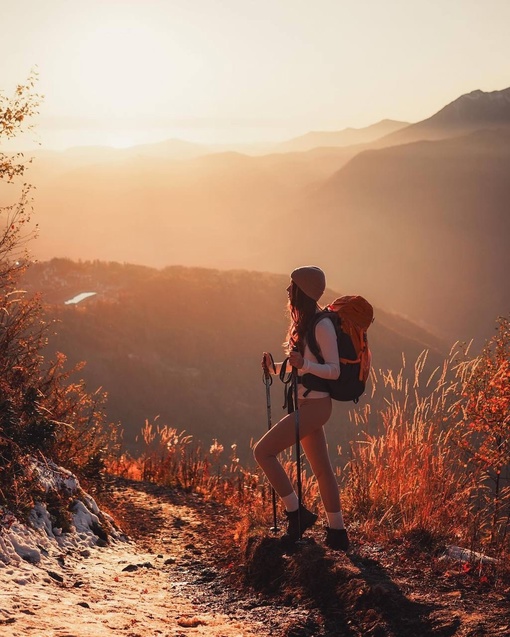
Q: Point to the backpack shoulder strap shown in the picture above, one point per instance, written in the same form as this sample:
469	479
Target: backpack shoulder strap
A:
311	338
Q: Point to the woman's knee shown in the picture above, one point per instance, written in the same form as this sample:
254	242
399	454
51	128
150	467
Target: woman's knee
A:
262	452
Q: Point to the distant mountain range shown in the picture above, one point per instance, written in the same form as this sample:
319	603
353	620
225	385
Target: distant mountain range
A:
177	149
416	219
346	137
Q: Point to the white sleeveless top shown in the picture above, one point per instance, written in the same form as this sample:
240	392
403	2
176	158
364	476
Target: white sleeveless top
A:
325	336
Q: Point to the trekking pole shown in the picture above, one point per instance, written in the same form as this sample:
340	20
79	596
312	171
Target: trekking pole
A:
298	446
268	381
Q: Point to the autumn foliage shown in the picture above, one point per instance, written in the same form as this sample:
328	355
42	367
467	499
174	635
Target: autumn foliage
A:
44	415
485	412
483	428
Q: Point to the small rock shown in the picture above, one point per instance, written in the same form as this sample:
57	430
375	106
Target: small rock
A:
207	575
32	557
178	523
55	576
84	604
190	622
9	620
135	567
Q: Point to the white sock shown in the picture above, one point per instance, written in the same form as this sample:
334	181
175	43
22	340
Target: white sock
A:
291	502
335	520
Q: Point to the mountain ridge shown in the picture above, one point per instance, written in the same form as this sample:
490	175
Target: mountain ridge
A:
467	113
346	137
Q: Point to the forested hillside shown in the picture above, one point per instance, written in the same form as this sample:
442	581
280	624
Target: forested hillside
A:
184	344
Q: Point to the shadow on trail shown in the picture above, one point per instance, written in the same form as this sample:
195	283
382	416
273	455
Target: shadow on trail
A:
305	576
398	614
354	595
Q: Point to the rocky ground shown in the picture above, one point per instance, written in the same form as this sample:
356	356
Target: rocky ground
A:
181	573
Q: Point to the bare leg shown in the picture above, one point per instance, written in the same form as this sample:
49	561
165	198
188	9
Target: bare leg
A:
316	450
313	414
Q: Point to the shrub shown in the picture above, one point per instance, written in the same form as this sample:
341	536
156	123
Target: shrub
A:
42	414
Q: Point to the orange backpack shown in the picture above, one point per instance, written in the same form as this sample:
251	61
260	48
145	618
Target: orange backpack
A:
351	316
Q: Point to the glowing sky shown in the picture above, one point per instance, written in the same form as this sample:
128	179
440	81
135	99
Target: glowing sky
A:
135	70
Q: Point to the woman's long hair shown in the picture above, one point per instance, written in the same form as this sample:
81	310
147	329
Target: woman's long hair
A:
302	309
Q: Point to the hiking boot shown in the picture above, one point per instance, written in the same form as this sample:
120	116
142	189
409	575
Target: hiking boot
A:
306	520
337	539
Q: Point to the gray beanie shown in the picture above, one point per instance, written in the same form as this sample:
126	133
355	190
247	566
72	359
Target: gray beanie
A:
311	280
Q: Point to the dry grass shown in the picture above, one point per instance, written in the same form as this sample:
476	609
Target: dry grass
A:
408	475
172	458
416	473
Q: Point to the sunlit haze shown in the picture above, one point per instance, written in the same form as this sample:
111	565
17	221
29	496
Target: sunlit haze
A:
122	73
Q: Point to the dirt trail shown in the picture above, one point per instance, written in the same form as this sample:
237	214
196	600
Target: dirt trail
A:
155	586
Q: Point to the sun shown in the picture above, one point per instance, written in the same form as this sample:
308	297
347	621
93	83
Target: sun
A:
130	70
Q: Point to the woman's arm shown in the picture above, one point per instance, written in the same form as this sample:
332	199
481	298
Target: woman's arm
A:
325	335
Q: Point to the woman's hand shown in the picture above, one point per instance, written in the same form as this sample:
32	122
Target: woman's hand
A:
296	360
268	363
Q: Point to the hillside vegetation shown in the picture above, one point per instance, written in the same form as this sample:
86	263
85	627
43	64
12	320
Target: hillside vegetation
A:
46	414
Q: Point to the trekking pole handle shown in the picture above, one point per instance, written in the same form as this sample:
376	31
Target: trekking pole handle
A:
266	373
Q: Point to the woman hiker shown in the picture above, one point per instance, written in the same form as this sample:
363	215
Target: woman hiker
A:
306	287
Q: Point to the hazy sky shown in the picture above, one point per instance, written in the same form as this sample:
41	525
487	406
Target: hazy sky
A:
124	71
